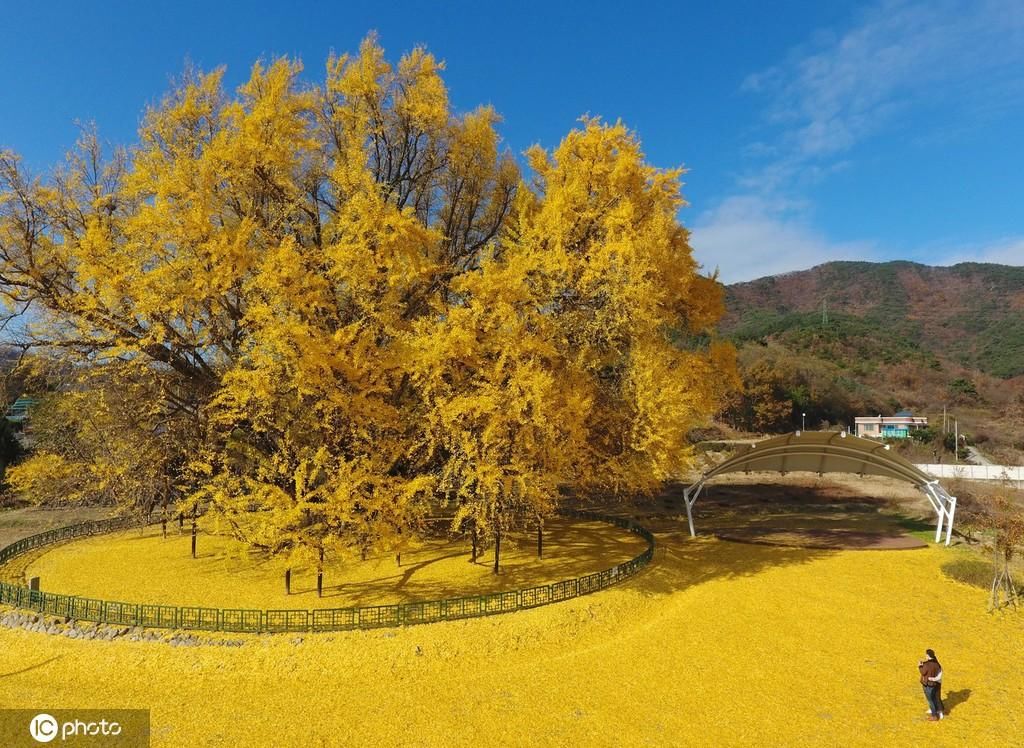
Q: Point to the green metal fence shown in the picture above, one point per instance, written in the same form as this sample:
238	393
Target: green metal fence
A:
291	620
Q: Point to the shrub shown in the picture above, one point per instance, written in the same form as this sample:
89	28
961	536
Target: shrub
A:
925	435
964	387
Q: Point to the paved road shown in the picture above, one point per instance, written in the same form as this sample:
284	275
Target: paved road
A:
976	457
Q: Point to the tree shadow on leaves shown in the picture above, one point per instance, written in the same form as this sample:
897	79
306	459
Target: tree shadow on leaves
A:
746	529
31	667
681	562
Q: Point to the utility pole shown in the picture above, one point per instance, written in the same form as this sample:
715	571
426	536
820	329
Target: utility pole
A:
956	440
943	419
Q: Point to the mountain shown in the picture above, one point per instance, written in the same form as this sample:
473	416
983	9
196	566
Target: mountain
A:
843	339
970	314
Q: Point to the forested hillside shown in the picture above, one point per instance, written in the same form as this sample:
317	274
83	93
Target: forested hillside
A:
969	314
858	338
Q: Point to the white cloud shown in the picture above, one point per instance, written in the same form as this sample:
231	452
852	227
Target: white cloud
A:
931	67
901	56
1008	251
749	237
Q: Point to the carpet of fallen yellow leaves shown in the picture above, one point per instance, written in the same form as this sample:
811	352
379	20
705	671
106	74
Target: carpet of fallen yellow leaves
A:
142	566
714	644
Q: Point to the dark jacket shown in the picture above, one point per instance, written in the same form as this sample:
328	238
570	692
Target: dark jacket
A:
929	669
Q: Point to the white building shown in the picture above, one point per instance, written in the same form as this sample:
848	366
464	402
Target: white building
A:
898	426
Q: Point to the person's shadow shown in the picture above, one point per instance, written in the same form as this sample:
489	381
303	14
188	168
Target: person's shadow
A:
955	698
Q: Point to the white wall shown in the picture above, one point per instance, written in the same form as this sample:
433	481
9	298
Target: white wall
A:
975	472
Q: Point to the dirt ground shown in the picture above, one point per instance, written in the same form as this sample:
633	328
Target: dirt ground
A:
19	523
799	509
869	504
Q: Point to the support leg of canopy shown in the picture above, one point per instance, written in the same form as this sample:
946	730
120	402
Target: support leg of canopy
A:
944	506
695	489
952	511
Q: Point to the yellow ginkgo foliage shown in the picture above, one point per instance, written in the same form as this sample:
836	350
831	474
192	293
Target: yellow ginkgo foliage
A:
351	311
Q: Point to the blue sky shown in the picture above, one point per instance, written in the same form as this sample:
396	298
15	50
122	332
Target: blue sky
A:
812	131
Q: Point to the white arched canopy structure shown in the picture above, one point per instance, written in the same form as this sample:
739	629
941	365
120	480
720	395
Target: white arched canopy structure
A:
830	452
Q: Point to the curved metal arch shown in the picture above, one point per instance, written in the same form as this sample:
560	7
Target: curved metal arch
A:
766	458
831	452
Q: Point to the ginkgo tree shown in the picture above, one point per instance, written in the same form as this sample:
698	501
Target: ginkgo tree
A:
350	308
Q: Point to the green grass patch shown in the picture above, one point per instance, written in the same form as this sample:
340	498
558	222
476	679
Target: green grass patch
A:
975	572
916	527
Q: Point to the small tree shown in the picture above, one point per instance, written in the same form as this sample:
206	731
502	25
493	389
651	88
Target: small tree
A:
1006	520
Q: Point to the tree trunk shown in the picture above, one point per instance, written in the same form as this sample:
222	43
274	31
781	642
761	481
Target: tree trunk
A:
320	574
1003	585
472	534
497	548
540	538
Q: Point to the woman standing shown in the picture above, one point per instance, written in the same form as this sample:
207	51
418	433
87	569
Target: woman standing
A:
931	681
